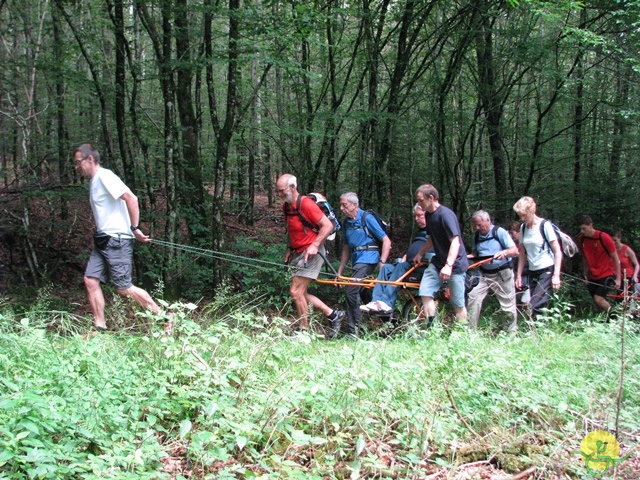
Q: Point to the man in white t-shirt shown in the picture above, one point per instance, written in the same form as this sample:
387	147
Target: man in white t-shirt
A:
116	213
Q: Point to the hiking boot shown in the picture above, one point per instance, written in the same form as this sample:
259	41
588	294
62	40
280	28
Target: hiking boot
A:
336	323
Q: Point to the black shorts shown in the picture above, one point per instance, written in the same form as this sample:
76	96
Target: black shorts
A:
601	287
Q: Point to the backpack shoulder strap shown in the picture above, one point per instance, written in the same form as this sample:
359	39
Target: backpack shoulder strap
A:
602	243
363	222
493	235
544	235
495	230
306	223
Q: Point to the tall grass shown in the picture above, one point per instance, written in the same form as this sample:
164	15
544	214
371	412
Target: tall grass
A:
231	396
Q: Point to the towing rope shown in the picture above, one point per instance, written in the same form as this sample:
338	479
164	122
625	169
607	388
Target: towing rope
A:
232	258
619	293
274	266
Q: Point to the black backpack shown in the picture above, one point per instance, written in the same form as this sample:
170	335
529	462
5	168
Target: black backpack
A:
599	237
384	224
492	236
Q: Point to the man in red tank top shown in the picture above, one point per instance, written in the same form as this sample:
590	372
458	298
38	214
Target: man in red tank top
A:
307	230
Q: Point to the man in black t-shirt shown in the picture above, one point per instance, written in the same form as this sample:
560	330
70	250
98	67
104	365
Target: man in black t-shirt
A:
450	261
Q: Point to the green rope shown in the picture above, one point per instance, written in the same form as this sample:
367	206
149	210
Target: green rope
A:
229	257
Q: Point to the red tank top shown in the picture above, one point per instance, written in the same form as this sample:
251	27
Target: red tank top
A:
625	263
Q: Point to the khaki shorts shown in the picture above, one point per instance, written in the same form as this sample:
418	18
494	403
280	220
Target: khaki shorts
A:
311	269
114	262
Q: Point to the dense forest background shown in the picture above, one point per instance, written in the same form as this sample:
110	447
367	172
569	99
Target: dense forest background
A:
200	106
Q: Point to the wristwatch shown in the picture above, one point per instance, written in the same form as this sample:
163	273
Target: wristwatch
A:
134	228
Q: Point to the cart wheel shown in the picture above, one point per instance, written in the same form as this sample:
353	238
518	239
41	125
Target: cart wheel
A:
412	312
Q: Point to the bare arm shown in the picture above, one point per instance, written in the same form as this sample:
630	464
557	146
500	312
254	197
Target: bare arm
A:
454	248
631	255
507	253
386	249
522	259
557	264
326	227
616	264
134	214
346	252
428	245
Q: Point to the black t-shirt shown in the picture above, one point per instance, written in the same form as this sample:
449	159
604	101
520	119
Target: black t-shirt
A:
417	244
441	226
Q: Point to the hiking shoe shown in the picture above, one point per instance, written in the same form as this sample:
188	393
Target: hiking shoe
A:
367	307
384	308
377	307
336	323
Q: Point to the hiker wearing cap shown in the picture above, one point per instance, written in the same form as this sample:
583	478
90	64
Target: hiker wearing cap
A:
116	214
600	262
450	261
305	252
384	294
542	251
492	241
367	245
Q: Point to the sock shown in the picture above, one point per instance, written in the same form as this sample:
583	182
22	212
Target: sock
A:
430	321
332	316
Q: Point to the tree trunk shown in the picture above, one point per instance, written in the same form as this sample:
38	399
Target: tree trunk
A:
191	187
120	90
493	108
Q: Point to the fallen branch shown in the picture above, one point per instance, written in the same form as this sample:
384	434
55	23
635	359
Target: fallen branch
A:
455	407
599	425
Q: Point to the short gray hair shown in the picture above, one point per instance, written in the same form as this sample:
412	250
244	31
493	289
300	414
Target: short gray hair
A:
350	197
416	207
483	214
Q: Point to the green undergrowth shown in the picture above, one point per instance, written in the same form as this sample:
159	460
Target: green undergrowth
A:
234	397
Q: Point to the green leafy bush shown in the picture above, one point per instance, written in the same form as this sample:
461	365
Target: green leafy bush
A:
231	396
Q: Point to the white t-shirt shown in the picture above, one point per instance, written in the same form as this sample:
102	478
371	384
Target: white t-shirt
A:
539	254
109	210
